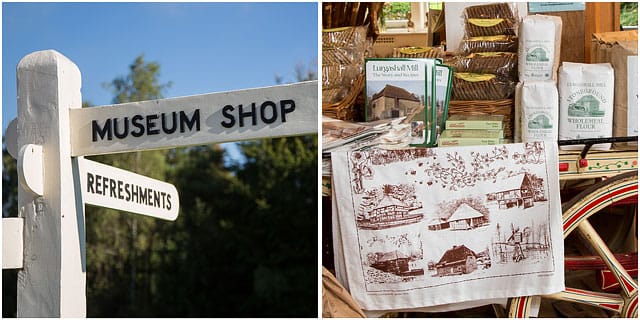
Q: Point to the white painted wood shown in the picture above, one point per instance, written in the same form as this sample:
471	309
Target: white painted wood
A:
11	138
12	243
277	111
111	187
30	172
52	282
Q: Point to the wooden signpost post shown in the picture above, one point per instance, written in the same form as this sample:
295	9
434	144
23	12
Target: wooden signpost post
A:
47	240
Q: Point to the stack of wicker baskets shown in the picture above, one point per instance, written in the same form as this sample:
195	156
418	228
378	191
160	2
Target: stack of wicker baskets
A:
490	51
349	31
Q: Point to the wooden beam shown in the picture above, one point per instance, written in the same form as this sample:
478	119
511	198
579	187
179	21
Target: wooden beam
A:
599	17
52	282
12	243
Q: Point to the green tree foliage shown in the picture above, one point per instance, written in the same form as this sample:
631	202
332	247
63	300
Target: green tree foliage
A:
9	185
629	13
281	176
120	246
396	10
9	209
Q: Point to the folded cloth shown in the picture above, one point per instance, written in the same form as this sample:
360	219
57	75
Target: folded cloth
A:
425	228
336	301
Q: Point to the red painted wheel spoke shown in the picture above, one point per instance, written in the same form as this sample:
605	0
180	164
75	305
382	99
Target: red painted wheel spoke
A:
607	301
628	284
618	189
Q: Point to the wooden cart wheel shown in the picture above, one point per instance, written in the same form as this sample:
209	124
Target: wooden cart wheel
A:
574	217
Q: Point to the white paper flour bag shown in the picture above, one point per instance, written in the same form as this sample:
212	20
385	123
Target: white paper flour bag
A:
586	102
539	48
537	103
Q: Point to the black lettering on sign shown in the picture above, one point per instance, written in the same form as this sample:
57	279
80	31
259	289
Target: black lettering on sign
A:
190	123
274	112
156	199
134	193
151	124
173	122
90	183
140	126
268	113
101	132
143	195
251	114
118	189
98	184
120	196
127	190
286	106
105	185
226	112
112	187
125	133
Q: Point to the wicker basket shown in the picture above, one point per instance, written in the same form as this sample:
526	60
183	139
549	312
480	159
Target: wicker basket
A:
344	109
340	93
503	107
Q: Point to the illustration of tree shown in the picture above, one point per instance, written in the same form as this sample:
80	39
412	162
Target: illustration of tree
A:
456	175
533	153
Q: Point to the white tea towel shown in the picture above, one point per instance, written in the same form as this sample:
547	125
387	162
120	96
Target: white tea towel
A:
419	228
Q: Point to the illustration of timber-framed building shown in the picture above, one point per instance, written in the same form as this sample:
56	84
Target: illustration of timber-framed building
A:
521	192
397	263
457	260
393	102
390	212
437	224
465	217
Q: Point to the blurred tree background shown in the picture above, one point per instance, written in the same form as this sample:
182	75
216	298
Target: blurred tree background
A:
244	243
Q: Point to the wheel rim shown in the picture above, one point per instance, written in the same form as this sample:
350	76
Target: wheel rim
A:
575	215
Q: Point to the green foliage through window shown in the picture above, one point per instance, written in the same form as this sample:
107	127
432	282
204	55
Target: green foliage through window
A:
629	13
396	10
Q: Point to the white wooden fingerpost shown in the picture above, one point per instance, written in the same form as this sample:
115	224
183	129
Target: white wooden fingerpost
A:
53	280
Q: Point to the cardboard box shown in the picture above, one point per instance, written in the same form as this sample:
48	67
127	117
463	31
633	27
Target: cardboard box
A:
615	48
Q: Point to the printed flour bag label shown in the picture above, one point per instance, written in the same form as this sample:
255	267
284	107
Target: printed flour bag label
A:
539	48
586	102
538	104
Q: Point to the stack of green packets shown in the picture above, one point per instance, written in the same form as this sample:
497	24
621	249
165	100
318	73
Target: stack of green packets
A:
470	130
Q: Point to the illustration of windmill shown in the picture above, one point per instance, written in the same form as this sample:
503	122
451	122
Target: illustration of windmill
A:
515	240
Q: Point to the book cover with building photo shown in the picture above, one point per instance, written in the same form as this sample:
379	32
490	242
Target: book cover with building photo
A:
403	88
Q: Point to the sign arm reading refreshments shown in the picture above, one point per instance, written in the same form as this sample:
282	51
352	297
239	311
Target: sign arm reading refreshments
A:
278	111
110	187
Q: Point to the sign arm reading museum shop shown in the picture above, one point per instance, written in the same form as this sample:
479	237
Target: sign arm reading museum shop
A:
278	111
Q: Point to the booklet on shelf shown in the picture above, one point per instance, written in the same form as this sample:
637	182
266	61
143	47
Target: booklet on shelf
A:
403	87
444	78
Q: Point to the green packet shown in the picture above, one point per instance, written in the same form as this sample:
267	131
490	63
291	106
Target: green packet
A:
472	133
444	79
459	121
